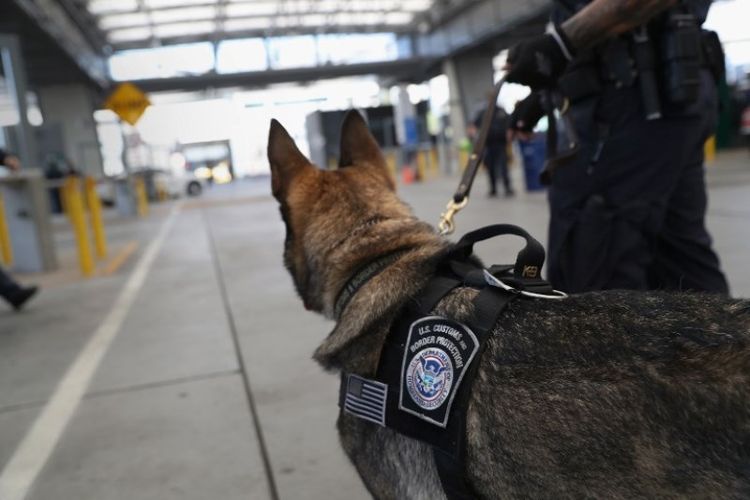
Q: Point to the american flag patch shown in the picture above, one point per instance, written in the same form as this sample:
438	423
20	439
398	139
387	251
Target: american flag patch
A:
366	399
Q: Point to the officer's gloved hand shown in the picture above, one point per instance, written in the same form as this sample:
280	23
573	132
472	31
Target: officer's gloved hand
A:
527	113
540	61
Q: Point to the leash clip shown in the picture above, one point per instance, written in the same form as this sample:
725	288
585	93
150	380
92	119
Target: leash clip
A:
446	225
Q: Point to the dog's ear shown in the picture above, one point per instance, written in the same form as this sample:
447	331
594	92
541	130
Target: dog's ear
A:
359	147
285	158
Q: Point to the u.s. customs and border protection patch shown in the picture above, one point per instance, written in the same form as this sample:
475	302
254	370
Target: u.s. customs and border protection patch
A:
437	355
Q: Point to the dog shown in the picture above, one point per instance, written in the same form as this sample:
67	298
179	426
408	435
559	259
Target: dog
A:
615	394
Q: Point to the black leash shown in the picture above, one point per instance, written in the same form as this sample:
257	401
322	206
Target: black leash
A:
461	196
555	157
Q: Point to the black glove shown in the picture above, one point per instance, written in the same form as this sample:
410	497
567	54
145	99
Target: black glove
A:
540	61
527	113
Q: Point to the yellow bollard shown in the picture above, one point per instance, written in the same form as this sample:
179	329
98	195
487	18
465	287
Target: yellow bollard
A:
140	196
390	160
421	166
709	150
463	159
74	200
95	218
6	250
434	163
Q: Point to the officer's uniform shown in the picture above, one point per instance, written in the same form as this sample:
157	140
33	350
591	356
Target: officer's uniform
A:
628	211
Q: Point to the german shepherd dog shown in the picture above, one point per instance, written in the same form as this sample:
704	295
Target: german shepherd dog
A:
612	394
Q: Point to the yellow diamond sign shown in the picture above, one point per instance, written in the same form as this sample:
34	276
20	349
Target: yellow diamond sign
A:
128	102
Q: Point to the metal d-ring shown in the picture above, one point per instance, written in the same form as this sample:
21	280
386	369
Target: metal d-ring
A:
493	281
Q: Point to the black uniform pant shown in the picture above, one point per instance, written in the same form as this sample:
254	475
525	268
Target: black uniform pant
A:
496	161
629	211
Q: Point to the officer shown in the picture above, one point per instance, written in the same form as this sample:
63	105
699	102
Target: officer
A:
16	295
496	149
636	82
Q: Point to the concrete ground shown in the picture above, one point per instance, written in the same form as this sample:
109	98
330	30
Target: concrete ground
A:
205	387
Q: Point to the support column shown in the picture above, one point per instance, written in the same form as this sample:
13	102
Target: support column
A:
407	134
406	118
68	112
470	77
15	79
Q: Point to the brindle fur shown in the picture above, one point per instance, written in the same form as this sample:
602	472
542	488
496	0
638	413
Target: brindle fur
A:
602	395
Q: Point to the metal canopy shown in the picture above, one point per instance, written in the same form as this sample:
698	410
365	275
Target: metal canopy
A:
127	24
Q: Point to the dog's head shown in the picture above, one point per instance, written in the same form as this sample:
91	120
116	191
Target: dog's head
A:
322	208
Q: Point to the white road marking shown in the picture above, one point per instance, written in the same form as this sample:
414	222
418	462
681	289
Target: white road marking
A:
34	450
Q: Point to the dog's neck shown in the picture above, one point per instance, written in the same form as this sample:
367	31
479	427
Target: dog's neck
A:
414	246
361	278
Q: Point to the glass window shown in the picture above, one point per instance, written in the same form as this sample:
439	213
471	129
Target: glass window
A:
163	62
292	52
236	56
352	49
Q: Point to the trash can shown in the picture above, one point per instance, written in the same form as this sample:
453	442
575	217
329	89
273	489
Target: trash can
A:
534	153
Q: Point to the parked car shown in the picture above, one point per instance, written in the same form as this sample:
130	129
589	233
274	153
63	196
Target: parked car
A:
185	183
172	185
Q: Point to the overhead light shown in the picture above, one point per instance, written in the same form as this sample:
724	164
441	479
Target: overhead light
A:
396	18
161	4
111	6
115	21
251	9
314	20
182	29
250	23
129	34
186	14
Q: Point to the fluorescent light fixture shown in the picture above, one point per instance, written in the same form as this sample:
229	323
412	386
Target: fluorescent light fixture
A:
398	18
115	21
251	9
181	29
129	34
111	6
251	23
314	20
161	4
186	14
357	19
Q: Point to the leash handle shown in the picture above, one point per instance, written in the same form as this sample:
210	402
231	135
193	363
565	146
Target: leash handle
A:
461	196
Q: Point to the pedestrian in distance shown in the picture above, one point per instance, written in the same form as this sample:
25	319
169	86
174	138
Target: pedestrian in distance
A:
12	292
496	149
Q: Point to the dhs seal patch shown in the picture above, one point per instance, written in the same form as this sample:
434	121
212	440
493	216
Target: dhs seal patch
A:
429	378
437	354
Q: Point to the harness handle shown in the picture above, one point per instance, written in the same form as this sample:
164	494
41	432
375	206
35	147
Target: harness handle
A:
529	261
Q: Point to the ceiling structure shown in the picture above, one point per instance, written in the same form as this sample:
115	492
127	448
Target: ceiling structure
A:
128	24
90	31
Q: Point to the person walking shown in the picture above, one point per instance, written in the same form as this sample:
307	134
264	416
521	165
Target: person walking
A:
496	149
12	292
639	80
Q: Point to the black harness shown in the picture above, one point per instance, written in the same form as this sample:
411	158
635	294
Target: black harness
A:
428	363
